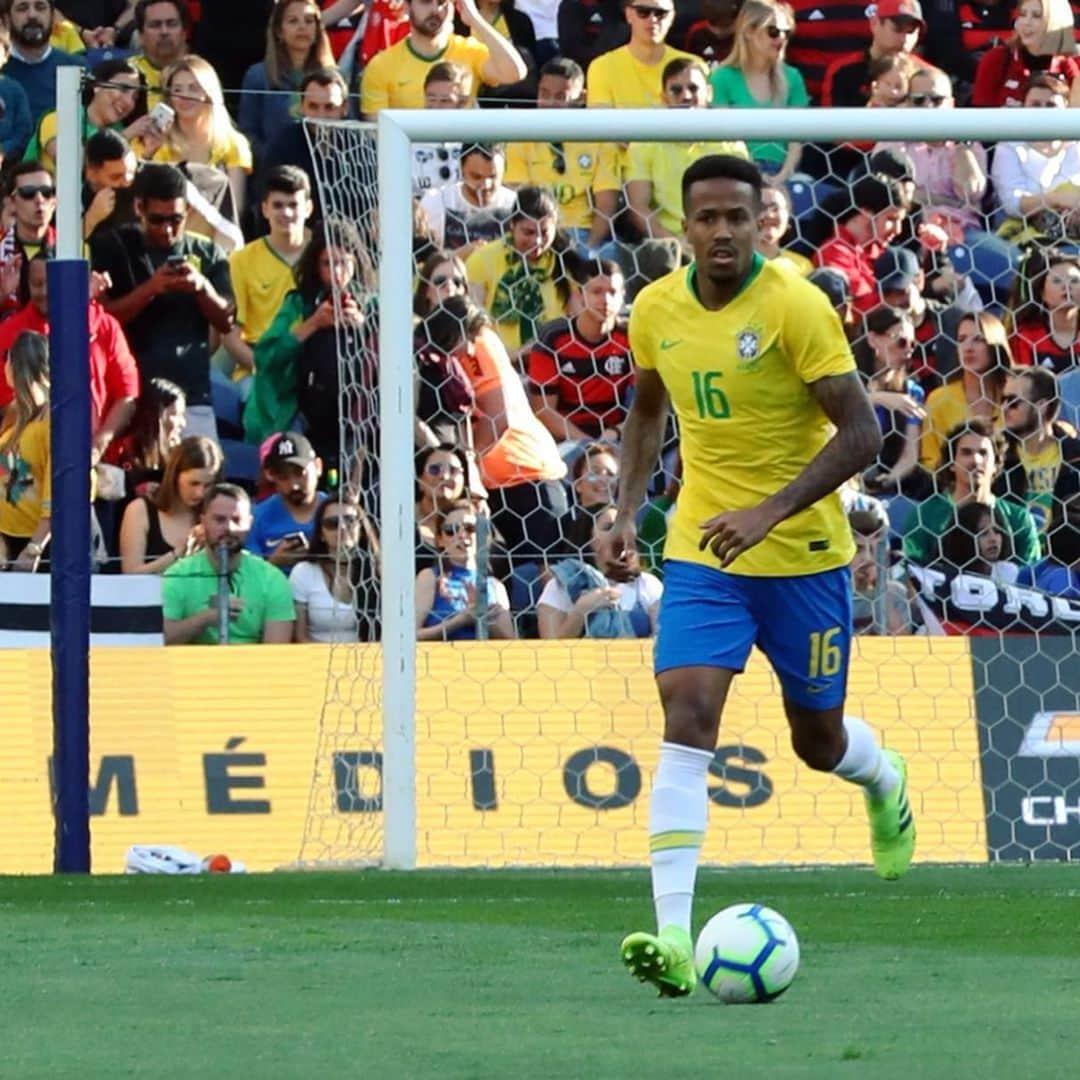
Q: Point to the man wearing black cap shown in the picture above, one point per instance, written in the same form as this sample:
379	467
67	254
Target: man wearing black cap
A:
283	525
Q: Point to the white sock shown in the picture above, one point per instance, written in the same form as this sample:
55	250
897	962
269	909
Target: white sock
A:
678	814
863	762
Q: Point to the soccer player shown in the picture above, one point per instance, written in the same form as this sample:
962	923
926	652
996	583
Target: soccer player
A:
756	365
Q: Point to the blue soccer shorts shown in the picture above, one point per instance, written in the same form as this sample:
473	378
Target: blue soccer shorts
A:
711	618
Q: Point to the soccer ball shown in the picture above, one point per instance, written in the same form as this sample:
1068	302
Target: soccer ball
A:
747	954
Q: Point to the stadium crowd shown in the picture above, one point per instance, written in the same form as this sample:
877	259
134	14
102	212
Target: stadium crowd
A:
228	298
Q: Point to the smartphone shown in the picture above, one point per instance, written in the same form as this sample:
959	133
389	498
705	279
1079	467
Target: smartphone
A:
299	539
177	261
162	117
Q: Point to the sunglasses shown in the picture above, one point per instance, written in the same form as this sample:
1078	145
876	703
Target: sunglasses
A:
334	522
937	100
778	32
165	219
28	191
443	279
452	528
598	477
644	11
437	468
685	88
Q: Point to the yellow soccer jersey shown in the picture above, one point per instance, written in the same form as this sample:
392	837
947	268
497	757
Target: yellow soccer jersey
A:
535	163
519	296
261	279
748	424
616	80
663	165
395	77
152	75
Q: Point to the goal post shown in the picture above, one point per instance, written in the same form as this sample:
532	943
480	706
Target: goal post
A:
486	752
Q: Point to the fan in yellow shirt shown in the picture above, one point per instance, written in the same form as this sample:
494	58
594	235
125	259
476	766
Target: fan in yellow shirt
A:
264	272
655	170
394	77
570	171
629	77
519	279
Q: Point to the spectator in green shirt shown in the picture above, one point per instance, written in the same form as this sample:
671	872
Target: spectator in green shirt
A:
260	599
970	461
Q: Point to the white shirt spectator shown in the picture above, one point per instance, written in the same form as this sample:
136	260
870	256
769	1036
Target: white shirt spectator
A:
329	620
1019	170
544	15
455	221
645	590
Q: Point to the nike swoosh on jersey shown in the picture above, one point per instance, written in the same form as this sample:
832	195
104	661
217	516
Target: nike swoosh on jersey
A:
666	344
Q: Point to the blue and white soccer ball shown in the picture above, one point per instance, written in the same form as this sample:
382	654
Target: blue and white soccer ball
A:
747	954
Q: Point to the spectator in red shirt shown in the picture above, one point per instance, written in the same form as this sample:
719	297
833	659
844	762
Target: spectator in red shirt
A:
1047	318
114	377
1044	40
895	26
869	222
580	369
824	31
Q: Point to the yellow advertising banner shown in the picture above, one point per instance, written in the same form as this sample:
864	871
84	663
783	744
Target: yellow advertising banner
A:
528	753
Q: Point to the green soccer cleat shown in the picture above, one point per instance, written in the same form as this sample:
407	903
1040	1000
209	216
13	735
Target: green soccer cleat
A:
892	826
666	960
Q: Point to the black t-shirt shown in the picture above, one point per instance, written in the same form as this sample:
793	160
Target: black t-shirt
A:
90	14
170	337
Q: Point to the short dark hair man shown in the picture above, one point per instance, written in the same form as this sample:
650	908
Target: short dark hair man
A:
34	61
1041	451
284	523
971	460
109	169
163	28
261	606
30	193
169	289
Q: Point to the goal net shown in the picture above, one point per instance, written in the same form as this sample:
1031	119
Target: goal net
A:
507	714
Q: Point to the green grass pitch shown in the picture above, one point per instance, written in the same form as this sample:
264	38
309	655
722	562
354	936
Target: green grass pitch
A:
951	972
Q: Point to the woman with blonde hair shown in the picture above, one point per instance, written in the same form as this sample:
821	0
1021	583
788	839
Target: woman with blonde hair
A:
1044	40
25	487
203	131
296	43
756	76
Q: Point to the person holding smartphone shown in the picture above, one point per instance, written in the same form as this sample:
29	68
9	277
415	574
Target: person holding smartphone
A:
284	524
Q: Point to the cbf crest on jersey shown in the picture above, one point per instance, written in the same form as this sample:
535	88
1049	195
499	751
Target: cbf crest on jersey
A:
748	348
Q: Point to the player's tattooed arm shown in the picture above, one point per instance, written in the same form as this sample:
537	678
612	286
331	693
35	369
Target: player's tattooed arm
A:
854	446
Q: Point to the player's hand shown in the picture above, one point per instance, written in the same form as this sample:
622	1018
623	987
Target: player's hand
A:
731	533
616	547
